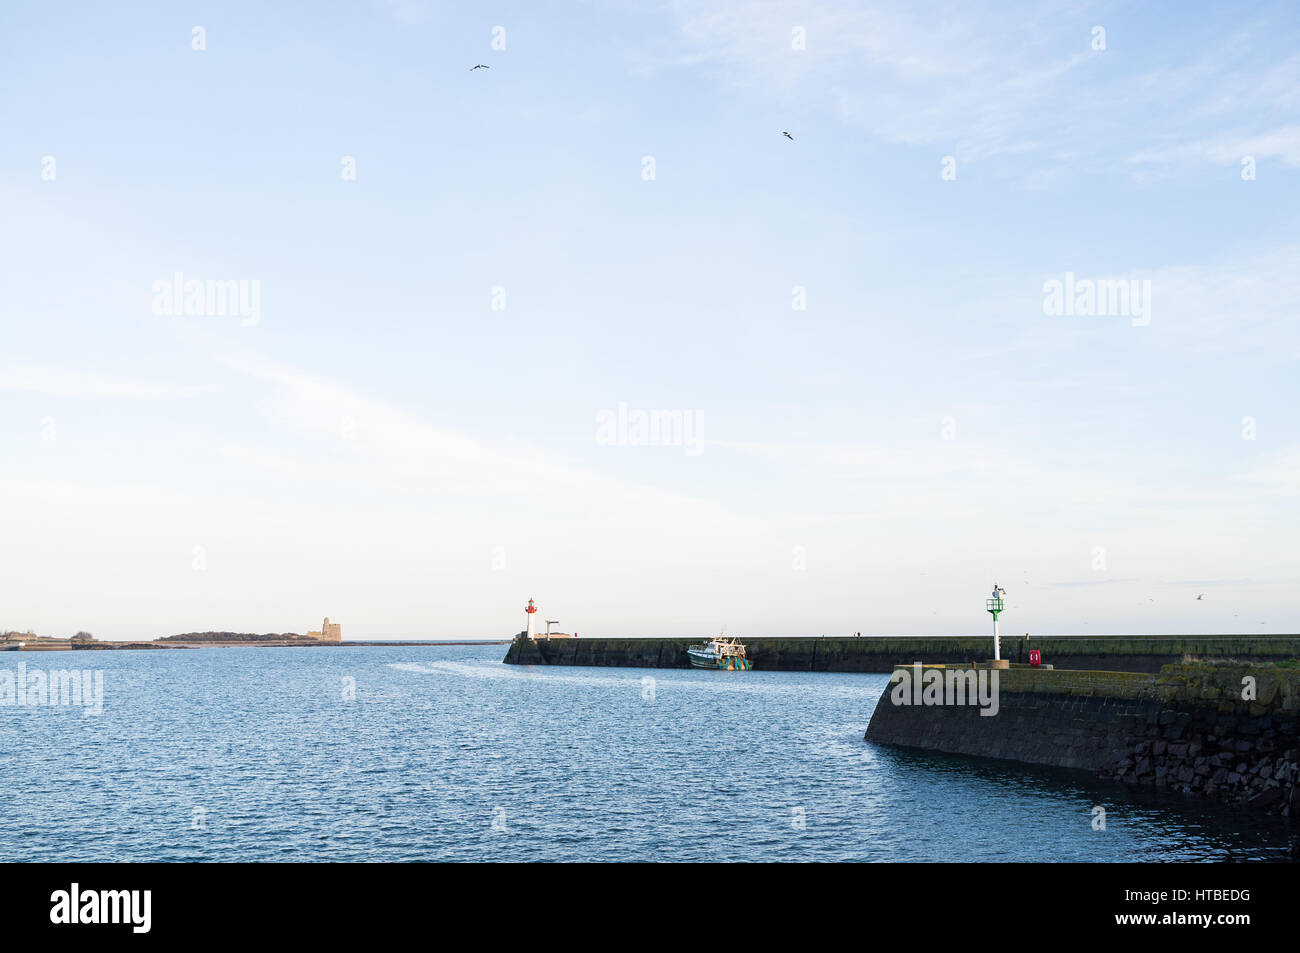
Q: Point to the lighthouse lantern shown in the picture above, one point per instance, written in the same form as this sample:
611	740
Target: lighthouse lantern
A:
531	610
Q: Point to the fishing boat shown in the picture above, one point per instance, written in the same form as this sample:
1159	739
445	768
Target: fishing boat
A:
727	654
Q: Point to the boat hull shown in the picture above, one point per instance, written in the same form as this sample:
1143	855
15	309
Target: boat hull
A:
728	663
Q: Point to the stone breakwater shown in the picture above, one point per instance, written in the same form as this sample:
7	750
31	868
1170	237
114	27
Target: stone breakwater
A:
1114	653
1228	732
1208	740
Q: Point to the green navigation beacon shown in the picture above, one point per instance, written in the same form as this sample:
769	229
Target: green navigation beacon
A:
995	605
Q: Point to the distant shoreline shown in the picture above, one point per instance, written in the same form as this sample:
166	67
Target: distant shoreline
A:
62	645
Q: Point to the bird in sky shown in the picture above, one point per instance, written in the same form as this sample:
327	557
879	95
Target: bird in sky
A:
788	136
480	66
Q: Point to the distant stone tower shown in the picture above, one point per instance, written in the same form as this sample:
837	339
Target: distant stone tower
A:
331	631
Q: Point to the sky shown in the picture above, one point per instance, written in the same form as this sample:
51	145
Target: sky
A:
466	290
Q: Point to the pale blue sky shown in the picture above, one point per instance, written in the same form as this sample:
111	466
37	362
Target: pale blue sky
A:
384	447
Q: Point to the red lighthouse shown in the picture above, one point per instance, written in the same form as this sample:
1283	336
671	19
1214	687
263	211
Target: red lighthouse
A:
531	610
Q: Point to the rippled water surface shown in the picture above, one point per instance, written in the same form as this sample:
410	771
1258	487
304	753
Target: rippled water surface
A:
447	754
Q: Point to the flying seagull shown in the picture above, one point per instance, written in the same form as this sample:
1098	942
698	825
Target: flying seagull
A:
788	136
480	66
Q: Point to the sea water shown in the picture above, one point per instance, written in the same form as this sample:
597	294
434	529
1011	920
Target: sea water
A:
427	753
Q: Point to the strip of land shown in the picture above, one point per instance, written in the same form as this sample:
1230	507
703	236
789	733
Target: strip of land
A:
27	642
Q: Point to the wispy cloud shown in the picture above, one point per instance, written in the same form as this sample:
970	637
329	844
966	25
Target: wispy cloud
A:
1022	80
1282	143
64	382
354	437
1278	473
